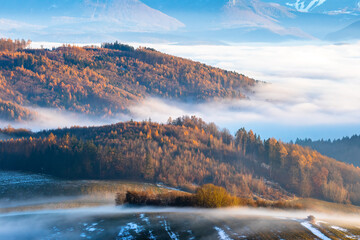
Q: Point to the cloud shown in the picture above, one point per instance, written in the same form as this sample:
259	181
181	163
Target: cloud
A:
50	45
10	25
69	20
49	118
16	224
308	86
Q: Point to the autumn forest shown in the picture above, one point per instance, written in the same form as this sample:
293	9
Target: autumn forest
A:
184	153
104	80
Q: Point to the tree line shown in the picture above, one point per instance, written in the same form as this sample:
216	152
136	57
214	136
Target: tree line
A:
13	45
346	149
206	196
185	153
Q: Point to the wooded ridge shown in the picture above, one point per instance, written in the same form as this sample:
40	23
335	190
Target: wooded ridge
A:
184	153
104	80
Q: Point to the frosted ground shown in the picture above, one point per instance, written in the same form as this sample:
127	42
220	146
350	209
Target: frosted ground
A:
58	209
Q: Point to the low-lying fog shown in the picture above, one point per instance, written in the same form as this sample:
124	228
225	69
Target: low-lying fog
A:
311	91
109	222
110	210
51	208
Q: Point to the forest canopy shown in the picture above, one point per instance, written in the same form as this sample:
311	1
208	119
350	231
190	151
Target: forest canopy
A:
346	149
13	45
184	153
107	80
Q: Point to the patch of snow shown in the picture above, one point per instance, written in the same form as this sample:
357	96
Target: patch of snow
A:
222	234
233	233
135	227
264	165
124	233
166	187
339	228
345	231
171	234
302	7
144	219
191	235
314	231
92	227
352	237
152	237
83	235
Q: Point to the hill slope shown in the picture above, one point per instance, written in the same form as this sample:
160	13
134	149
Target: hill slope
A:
346	149
184	152
351	32
107	80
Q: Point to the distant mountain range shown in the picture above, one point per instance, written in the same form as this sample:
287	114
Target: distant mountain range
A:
350	32
322	6
313	6
346	149
181	21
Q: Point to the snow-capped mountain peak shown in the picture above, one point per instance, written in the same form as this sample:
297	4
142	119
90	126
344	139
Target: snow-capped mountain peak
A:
306	6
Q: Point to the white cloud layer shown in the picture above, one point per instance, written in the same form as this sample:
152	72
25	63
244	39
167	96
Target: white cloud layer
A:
9	25
48	118
310	86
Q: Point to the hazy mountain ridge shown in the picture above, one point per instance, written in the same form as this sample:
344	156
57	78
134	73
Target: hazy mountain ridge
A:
346	149
179	21
348	33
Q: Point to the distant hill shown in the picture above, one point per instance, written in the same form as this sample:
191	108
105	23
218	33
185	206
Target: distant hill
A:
184	152
346	149
107	80
351	32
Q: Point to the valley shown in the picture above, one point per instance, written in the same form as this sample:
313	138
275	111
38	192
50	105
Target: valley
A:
179	119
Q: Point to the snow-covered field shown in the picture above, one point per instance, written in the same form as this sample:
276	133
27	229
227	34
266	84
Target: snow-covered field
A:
133	223
39	213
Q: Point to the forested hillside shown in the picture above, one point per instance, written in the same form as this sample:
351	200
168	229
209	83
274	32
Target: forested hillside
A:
184	152
105	80
346	149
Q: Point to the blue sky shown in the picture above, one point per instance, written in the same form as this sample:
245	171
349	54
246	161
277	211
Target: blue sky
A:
313	84
180	20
